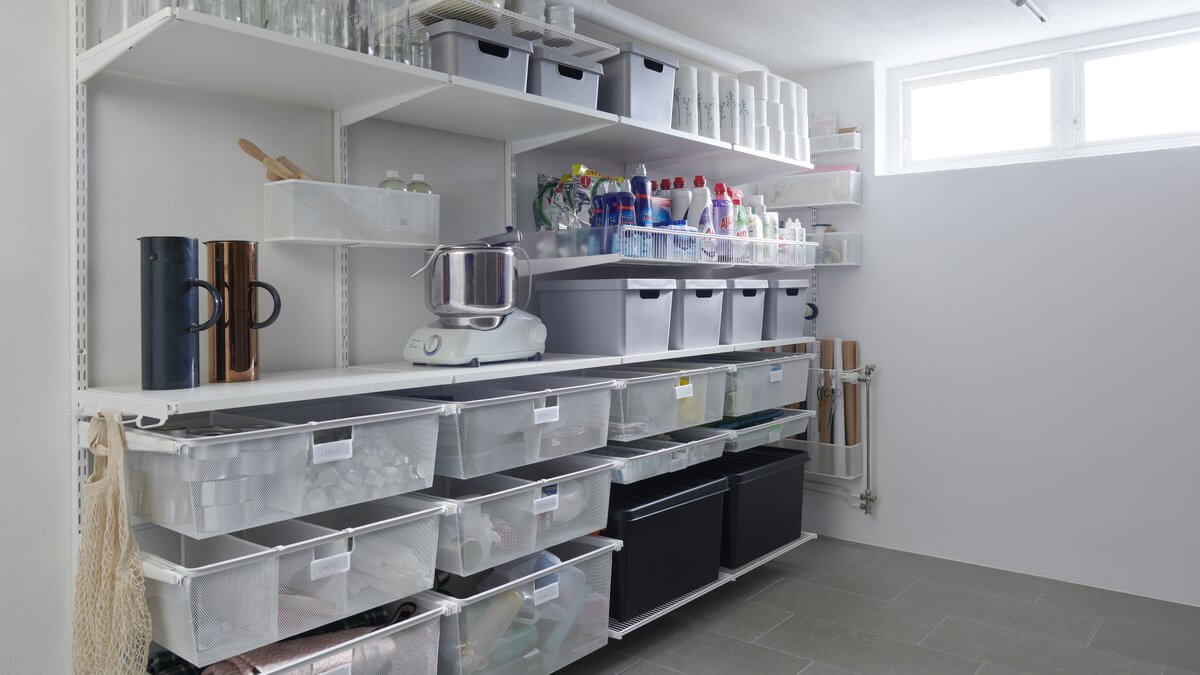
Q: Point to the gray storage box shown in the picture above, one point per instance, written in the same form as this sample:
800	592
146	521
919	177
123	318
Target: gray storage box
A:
696	313
563	77
607	316
742	311
464	49
639	83
785	309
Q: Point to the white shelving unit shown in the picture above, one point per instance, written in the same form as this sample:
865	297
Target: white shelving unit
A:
619	629
828	145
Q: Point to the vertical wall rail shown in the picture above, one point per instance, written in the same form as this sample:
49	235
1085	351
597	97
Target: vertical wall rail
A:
341	254
78	258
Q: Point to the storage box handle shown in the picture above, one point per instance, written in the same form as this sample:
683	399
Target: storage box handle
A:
572	73
704	293
749	292
791	292
649	295
493	49
548	413
338	563
652	65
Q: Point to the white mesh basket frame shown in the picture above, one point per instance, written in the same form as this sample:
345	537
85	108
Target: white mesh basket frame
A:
304	665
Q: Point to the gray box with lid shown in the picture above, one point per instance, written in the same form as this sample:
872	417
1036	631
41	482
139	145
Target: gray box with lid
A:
607	316
564	77
492	56
639	83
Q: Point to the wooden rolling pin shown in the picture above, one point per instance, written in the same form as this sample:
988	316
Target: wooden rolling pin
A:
277	169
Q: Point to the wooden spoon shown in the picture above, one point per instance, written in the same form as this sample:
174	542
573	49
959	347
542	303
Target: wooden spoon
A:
274	166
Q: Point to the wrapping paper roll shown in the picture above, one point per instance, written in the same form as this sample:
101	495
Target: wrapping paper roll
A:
777	142
746	105
773	85
707	91
802	111
789	120
762	137
685	113
730	109
756	79
775	115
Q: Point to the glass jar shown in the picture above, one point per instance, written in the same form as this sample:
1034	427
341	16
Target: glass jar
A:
420	53
391	29
349	25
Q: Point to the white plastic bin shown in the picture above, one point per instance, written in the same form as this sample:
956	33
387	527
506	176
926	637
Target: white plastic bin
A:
488	521
786	308
639	83
760	380
552	612
316	212
696	313
607	316
209	473
649	401
631	465
572	497
575	412
698	445
563	77
818	188
713	381
408	647
466	50
772	427
742	311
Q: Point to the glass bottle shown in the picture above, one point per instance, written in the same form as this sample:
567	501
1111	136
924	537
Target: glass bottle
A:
418	184
420	53
391	180
391	29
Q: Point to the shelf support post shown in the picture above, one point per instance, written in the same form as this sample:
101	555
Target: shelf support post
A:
78	256
341	254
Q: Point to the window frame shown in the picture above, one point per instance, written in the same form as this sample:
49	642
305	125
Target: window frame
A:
1066	58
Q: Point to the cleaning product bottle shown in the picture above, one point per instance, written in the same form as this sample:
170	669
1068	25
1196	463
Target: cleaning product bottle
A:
418	184
758	204
612	208
664	188
391	180
640	187
741	222
628	213
722	210
681	197
598	204
699	214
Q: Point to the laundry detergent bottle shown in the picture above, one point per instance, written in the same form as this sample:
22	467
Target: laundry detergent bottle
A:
640	187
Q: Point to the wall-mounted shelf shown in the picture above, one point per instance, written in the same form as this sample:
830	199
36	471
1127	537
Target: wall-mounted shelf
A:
838	249
535	29
305	385
816	189
827	145
619	629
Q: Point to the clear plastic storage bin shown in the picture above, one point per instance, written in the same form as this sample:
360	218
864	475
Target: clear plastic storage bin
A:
696	313
761	429
487	521
607	316
210	473
572	497
698	445
582	405
213	598
818	188
646	402
531	617
786	309
759	380
317	212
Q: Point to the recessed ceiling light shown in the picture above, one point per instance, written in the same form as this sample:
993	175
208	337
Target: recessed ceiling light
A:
1028	4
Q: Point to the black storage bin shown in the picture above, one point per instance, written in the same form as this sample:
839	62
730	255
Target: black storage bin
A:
765	502
671	526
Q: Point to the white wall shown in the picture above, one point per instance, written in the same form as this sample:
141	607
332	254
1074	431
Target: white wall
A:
1034	327
35	574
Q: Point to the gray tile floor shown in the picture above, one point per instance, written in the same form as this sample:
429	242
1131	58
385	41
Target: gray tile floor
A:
833	607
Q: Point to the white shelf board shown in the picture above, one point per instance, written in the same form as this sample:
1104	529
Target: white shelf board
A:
619	629
540	266
826	265
550	363
719	349
850	141
196	50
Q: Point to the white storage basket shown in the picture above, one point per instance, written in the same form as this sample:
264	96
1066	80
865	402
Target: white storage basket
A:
316	212
779	424
575	410
487	521
714	382
697	445
742	311
631	465
210	473
408	647
647	401
786	309
760	381
572	497
551	614
607	316
696	313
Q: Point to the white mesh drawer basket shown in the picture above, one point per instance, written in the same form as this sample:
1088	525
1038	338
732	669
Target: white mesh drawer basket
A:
695	445
359	448
649	401
530	617
760	380
342	562
209	598
574	412
207	473
486	521
408	647
768	426
572	497
713	379
633	464
486	428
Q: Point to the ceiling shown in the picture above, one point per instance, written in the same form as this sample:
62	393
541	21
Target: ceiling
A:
792	36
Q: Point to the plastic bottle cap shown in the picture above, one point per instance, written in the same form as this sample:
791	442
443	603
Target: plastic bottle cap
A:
391	173
653	185
698	181
679	182
639	170
665	183
719	189
419	176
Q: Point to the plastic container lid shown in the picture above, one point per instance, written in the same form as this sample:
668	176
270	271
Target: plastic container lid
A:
391	173
718	284
746	283
698	181
453	26
788	283
607	285
679	182
752	464
563	58
419	176
628	502
646	51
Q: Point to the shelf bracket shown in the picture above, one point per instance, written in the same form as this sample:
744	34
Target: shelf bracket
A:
341	254
359	113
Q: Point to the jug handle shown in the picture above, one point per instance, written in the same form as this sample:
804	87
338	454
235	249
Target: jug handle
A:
277	304
218	305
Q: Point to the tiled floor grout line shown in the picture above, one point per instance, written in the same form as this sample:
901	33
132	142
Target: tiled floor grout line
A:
939	624
1045	587
980	668
1097	632
764	588
872	563
893	599
781	622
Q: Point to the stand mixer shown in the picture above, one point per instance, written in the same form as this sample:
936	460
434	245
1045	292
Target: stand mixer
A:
471	289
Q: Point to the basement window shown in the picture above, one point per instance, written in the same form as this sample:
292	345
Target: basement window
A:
1088	101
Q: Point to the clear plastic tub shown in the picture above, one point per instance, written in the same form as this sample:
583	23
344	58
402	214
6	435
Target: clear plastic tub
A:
488	521
760	380
698	444
773	426
317	212
210	473
572	497
531	617
649	401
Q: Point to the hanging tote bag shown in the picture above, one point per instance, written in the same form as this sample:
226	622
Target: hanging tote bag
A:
112	621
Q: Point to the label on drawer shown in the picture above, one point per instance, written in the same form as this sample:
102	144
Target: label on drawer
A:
343	669
327	567
544	594
679	460
548	501
544	415
683	390
330	445
775	373
774	433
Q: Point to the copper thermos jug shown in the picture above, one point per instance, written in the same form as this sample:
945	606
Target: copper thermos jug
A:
233	347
